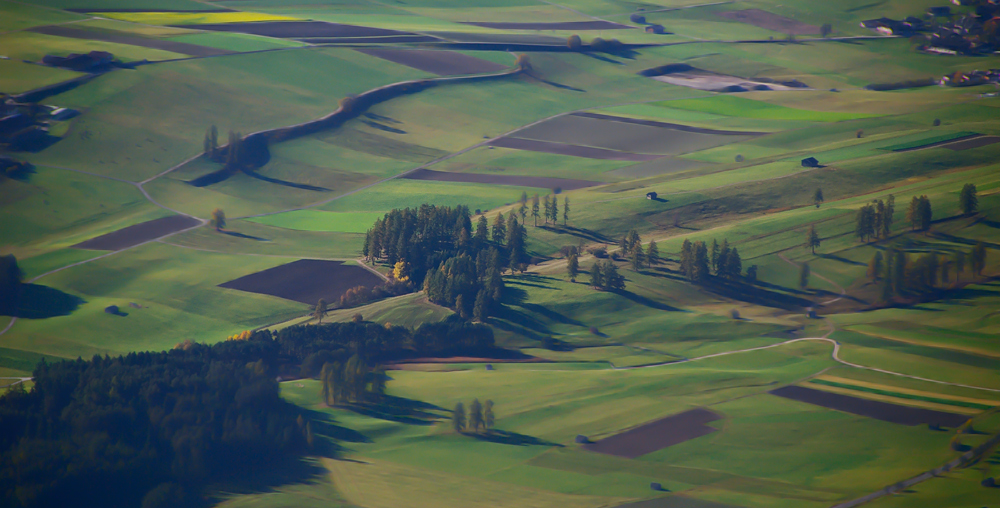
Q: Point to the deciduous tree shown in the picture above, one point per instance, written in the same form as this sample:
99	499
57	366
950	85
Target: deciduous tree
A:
967	199
652	254
813	240
475	415
218	220
320	310
572	266
818	197
489	419
458	417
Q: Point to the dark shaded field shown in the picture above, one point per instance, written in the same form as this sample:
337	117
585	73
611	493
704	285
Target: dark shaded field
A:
977	142
92	35
643	138
442	63
666	125
566	25
139	233
766	20
523	181
657	435
501	38
297	29
392	39
892	413
306	281
533	145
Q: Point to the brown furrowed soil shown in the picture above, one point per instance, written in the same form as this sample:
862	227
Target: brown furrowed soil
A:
892	413
977	142
588	152
657	435
297	29
566	25
769	21
306	281
139	233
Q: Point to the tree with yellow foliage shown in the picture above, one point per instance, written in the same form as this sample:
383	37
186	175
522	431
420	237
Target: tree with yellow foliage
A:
401	271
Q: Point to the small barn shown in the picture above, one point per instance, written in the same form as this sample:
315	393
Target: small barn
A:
655	29
112	309
810	162
650	195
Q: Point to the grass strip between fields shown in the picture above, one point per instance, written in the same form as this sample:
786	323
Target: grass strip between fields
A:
928	141
908	396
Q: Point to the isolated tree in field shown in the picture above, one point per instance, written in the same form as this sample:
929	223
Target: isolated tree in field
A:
475	415
825	30
573	42
218	220
812	241
489	419
818	197
652	254
524	198
458	417
596	276
572	266
967	199
523	63
875	267
482	230
925	213
978	258
752	274
320	310
481	310
565	210
499	229
804	273
687	259
534	209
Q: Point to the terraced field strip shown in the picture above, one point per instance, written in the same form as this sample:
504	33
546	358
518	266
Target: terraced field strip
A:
879	410
888	397
92	35
882	334
900	391
932	141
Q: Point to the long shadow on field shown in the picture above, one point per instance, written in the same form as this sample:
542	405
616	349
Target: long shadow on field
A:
399	409
756	295
558	85
285	183
642	300
600	57
386	128
835	257
246	237
41	302
584	233
550	314
513	438
966	241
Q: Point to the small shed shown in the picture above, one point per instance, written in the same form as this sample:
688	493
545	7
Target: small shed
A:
581	439
656	486
489	366
112	309
650	195
810	162
655	29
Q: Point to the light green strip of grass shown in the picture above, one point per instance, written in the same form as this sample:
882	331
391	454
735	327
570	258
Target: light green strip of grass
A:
928	141
728	105
316	220
901	395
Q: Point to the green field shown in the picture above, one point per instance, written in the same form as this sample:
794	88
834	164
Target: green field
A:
604	361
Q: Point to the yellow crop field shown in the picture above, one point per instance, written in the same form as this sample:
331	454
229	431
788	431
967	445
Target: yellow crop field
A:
906	391
192	18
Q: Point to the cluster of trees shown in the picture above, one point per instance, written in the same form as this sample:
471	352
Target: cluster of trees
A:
898	275
440	252
874	220
478	416
233	155
604	275
352	382
549	213
11	278
698	262
920	214
631	249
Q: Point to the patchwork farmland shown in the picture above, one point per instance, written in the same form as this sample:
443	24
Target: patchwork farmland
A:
509	253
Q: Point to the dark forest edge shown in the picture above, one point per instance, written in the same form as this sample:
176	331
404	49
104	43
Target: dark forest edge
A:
167	428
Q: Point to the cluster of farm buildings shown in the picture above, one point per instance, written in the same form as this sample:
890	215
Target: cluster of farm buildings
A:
945	33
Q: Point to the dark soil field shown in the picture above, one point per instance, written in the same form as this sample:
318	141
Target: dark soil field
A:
969	144
93	35
392	39
139	233
764	19
892	413
442	63
566	25
306	281
540	182
657	435
298	29
533	145
666	125
626	136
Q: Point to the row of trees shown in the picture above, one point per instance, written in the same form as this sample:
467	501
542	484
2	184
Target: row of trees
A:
898	275
551	209
479	416
233	155
698	261
604	275
467	285
352	382
11	278
874	220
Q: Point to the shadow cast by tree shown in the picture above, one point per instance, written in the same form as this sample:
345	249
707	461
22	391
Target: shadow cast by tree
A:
512	438
40	302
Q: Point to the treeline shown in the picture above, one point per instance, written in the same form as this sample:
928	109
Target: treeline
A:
699	262
10	285
456	265
479	416
874	220
899	275
154	429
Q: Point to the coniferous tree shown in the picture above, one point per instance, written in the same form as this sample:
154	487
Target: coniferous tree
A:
913	214
734	265
714	252
890	209
637	258
481	310
499	229
548	209
925	213
875	267
967	199
613	281
652	254
458	417
475	415
524	198
720	268
596	275
687	259
534	209
752	274
489	419
523	212
978	258
900	264
959	259
813	240
572	266
565	210
482	230
818	197
700	269
218	219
